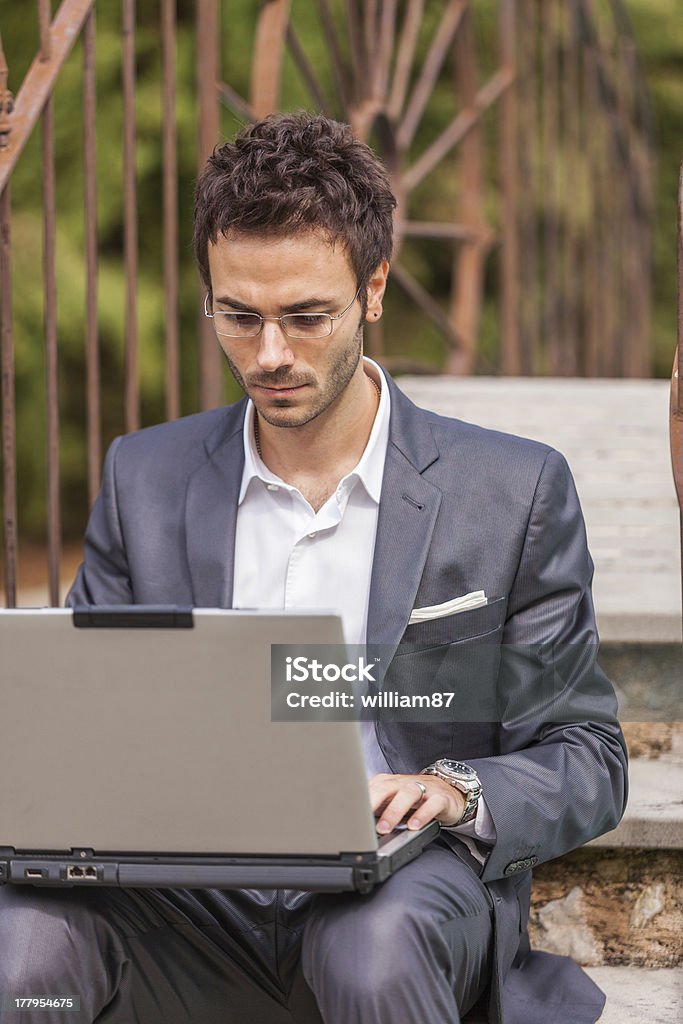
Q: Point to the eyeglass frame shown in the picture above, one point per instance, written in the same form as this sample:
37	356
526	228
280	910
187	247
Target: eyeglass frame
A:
262	319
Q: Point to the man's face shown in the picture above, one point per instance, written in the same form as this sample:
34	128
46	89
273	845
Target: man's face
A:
290	381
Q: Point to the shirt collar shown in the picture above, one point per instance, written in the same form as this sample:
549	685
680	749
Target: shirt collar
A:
370	468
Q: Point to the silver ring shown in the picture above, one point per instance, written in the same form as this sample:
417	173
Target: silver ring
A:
423	789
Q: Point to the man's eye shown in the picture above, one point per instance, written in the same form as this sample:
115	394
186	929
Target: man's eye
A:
310	319
240	319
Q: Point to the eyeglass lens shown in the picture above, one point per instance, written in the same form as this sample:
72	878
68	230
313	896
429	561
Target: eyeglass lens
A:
295	325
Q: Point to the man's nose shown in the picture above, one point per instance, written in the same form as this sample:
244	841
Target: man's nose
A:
274	349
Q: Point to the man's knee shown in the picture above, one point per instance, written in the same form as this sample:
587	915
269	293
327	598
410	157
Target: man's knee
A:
384	947
48	939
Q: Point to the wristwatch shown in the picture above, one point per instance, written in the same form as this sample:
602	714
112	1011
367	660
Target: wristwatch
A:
461	776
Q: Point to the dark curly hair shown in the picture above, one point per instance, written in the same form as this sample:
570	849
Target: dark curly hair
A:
291	173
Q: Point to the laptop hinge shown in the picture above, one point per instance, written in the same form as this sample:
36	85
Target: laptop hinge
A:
140	616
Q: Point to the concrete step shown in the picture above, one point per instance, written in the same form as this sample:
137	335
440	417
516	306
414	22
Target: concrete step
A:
654	813
640	996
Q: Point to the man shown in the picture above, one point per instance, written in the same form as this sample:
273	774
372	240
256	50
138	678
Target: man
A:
326	485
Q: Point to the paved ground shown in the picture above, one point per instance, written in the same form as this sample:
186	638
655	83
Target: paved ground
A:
640	996
615	435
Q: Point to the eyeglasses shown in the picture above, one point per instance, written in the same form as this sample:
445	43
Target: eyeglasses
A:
294	325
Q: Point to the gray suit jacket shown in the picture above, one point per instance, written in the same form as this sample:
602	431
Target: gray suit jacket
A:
462	509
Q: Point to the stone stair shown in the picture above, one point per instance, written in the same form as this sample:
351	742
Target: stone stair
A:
636	995
616	905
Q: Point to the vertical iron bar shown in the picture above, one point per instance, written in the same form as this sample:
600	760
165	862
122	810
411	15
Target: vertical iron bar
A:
571	102
549	73
527	144
677	411
679	394
405	52
50	318
168	45
132	387
92	352
269	48
592	285
208	40
510	311
383	52
9	418
467	267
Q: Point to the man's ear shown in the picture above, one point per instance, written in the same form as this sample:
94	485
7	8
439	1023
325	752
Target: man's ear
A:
376	287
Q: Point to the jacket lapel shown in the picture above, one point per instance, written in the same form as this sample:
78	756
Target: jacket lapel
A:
407	513
211	513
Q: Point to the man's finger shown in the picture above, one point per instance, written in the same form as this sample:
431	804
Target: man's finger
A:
408	796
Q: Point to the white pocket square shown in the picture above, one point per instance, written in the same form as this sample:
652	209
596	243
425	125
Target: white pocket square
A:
458	604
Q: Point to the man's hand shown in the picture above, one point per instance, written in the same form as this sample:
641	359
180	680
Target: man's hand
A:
393	797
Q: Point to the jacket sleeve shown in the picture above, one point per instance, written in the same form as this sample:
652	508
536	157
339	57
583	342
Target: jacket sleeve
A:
103	578
561	776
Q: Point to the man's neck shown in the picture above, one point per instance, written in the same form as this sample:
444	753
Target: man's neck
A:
316	456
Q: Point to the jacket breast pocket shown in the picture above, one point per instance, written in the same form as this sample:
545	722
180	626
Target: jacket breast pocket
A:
453	629
446	670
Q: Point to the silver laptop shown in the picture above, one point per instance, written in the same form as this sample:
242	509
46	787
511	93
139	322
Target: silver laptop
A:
137	749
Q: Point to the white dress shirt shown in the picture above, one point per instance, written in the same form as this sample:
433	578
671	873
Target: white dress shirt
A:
289	556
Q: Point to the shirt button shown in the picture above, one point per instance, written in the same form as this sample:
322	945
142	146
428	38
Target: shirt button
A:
272	487
312	535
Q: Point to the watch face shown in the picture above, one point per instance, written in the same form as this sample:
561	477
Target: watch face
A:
458	767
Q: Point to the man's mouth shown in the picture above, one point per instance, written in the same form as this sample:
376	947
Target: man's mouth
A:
279	389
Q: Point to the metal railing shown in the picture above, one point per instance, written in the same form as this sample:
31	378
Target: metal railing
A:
569	302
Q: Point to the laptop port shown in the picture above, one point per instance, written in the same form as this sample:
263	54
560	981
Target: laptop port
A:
81	873
33	873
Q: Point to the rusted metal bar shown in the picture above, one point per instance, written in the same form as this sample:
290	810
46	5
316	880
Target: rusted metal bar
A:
356	50
92	350
676	405
305	70
405	54
170	186
572	164
208	41
6	102
336	60
39	81
592	283
387	32
266	70
458	128
130	219
454	232
527	202
44	19
9	416
550	164
468	259
50	319
509	169
429	72
232	99
369	8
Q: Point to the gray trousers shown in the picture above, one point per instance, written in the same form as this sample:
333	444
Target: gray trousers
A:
418	949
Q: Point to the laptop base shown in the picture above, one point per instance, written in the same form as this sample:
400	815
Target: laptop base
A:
348	872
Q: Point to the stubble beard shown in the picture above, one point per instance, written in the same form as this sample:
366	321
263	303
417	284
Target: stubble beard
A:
338	377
